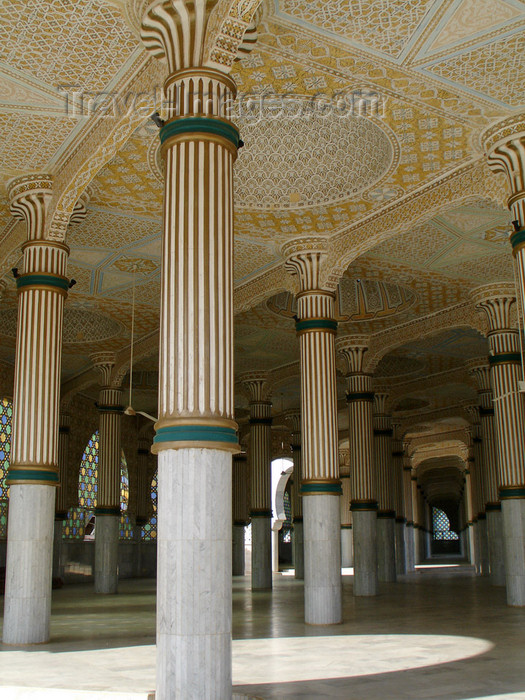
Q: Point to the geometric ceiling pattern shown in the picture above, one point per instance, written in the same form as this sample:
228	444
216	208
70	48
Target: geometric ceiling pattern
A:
361	122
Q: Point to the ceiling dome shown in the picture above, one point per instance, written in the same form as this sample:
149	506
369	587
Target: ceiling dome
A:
357	300
297	155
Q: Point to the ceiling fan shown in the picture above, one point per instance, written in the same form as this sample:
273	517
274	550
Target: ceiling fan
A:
130	411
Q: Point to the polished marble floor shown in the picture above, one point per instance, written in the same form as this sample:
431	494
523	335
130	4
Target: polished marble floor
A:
439	633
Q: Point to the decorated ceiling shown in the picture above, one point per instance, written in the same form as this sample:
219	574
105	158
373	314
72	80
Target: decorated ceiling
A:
361	121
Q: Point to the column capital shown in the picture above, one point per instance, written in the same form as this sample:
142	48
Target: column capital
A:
258	386
190	33
305	257
293	418
104	362
496	300
353	349
504	144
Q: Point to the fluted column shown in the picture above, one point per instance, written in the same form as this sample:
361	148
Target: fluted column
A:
480	370
397	475
62	497
410	544
416	504
196	433
505	370
241	503
386	514
294	419
360	400
472	540
107	510
476	450
347	537
33	472
321	488
256	384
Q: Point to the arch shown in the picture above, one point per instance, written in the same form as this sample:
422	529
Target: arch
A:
80	520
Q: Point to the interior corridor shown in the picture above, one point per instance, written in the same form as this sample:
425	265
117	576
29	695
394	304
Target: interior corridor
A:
442	632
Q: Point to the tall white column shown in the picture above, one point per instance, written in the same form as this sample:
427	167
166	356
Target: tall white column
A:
505	371
410	544
260	455
397	473
480	370
386	515
33	472
321	488
241	504
294	418
347	538
360	400
62	497
196	433
107	509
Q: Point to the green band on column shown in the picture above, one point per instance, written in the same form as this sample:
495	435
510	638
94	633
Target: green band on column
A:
297	519
346	527
398	454
517	237
196	433
107	510
386	514
363	505
316	324
360	396
260	513
486	411
401	521
386	432
492	507
504	357
31	475
240	523
108	408
31	280
313	487
203	125
512	492
261	421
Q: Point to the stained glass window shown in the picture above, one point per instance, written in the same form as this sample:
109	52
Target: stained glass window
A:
78	518
6	417
149	531
287	525
441	526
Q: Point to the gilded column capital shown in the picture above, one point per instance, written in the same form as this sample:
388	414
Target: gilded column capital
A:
189	33
104	362
353	350
29	197
258	386
305	257
293	419
496	300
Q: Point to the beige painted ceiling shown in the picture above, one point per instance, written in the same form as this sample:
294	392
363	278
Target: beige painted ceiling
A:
412	216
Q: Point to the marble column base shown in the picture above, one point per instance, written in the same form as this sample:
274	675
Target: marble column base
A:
410	545
238	550
261	553
29	564
194	574
401	562
365	552
58	565
322	560
298	550
496	551
106	553
386	550
513	511
347	547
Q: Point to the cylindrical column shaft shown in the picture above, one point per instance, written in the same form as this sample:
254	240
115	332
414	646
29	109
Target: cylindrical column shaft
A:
505	369
33	471
364	504
386	515
240	506
409	513
296	498
397	470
